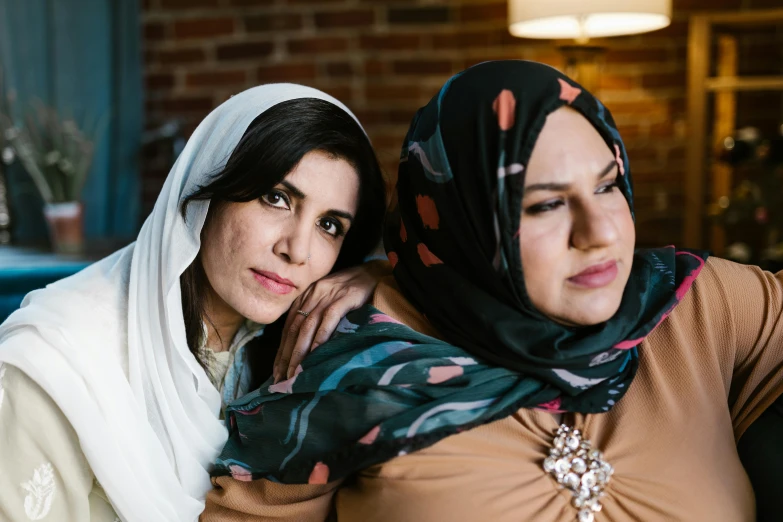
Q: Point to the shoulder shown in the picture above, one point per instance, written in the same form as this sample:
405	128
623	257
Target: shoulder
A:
45	473
388	298
22	396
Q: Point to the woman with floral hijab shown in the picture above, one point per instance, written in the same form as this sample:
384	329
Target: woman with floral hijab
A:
526	362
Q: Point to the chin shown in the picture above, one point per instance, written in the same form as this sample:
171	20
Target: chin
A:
595	311
265	313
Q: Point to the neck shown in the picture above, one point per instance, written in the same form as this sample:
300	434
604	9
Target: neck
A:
222	322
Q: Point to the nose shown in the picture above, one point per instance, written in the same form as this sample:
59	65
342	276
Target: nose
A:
293	245
592	226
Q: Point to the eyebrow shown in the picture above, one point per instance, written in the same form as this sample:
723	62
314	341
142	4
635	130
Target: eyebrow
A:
298	194
563	186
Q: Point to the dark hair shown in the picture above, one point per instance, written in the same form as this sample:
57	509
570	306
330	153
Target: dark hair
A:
270	148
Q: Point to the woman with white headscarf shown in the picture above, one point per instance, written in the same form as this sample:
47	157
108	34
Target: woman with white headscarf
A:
112	381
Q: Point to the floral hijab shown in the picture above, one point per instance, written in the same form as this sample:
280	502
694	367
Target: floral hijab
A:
379	389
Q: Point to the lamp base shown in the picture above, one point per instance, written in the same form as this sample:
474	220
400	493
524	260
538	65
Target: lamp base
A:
583	64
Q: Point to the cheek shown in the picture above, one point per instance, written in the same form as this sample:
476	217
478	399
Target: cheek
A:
213	248
625	225
542	251
227	246
324	254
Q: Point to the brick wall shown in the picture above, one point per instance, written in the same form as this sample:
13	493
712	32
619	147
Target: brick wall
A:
386	58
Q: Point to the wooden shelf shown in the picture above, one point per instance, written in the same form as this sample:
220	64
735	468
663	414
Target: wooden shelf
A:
737	18
758	83
700	86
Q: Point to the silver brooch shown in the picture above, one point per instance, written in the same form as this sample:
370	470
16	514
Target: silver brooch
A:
578	467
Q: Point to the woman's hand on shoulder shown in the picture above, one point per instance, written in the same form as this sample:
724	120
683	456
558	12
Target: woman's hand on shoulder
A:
326	302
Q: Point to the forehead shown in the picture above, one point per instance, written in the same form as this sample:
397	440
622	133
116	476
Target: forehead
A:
326	181
569	147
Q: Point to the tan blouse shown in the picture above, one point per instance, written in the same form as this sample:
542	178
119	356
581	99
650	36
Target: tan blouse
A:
705	375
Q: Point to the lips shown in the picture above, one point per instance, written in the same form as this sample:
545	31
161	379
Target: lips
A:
273	282
596	276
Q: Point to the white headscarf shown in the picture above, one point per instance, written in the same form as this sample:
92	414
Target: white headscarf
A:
108	344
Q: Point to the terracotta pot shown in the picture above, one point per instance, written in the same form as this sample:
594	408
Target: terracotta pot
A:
66	226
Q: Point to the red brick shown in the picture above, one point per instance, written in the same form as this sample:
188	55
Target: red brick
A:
402	116
652	81
273	22
180	56
159	81
765	4
617	82
203	27
390	141
677	29
676	154
549	57
339	69
245	51
392	42
251	3
375	68
422	67
154	31
496	11
712	5
641	154
628	132
286	72
186	104
216	78
371	117
662	129
350	18
463	40
425	15
344	93
382	92
317	45
626	56
187	4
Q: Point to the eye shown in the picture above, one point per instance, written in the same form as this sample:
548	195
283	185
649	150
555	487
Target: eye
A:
606	189
547	206
277	199
332	227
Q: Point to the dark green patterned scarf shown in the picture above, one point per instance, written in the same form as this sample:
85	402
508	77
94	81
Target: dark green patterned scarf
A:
379	389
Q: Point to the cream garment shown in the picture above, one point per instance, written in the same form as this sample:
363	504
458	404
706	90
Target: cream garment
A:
227	369
705	375
108	344
45	475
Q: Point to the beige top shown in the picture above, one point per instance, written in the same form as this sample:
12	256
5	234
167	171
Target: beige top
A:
705	374
44	474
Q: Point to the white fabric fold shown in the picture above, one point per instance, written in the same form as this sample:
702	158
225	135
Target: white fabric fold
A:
108	344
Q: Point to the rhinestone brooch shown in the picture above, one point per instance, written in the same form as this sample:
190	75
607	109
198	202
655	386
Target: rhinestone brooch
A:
578	467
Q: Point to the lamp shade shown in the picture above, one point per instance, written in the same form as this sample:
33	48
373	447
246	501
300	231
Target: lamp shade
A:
584	19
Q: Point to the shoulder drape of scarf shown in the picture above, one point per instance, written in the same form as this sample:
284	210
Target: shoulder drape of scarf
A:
452	238
108	344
